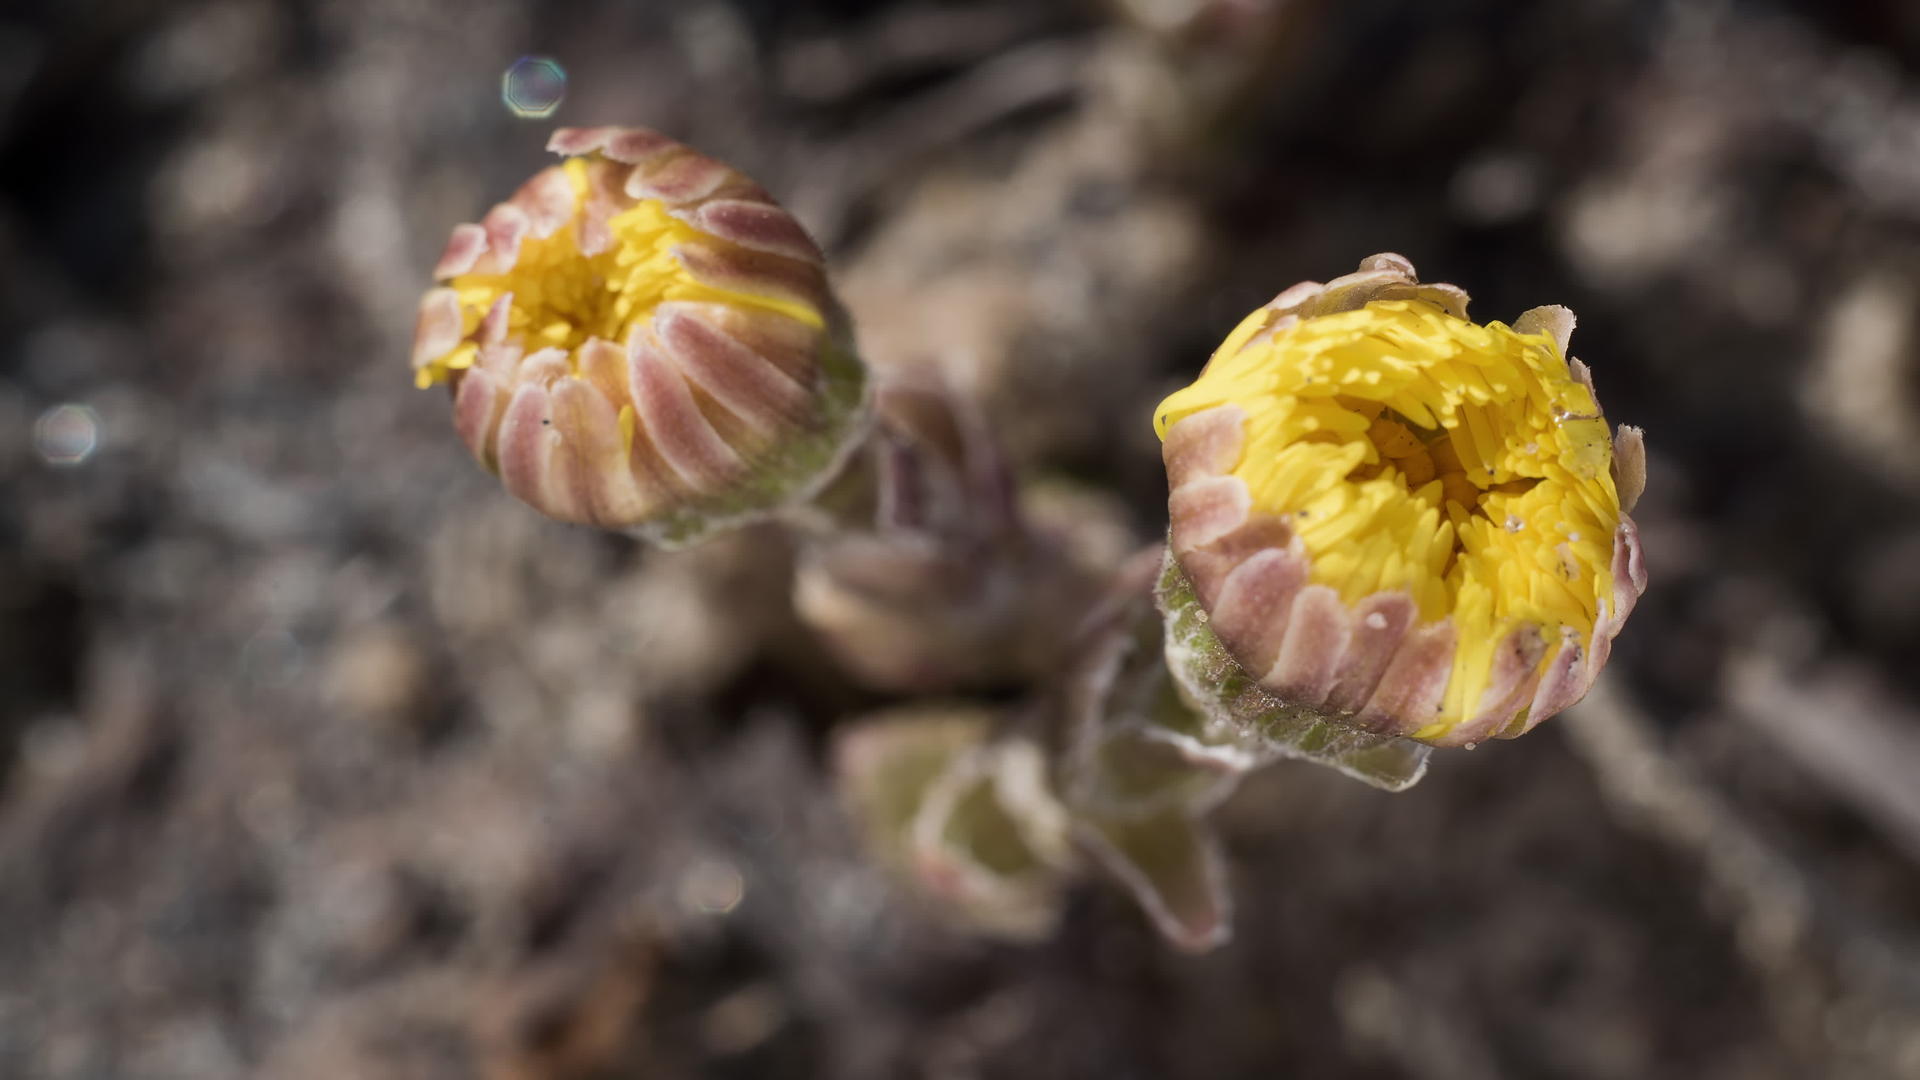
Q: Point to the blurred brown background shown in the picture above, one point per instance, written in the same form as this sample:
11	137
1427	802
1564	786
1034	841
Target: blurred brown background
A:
320	757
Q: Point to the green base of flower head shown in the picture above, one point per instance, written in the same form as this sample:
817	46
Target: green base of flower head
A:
1233	706
790	472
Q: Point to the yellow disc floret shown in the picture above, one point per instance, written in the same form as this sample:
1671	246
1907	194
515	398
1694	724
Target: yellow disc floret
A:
562	297
1413	450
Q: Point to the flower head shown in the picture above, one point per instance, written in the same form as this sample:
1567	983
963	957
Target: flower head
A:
1393	514
641	338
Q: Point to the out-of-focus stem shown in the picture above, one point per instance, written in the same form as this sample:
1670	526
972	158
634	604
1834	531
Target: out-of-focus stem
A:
921	570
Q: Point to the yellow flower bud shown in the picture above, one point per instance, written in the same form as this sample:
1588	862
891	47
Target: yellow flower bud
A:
1397	516
640	338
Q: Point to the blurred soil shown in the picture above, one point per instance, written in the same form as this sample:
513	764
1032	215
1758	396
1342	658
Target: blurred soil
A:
320	757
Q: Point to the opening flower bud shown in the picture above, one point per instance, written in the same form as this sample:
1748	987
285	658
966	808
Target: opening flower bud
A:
1396	516
640	338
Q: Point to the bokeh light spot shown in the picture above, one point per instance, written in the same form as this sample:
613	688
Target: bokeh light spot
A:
712	887
66	434
533	87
